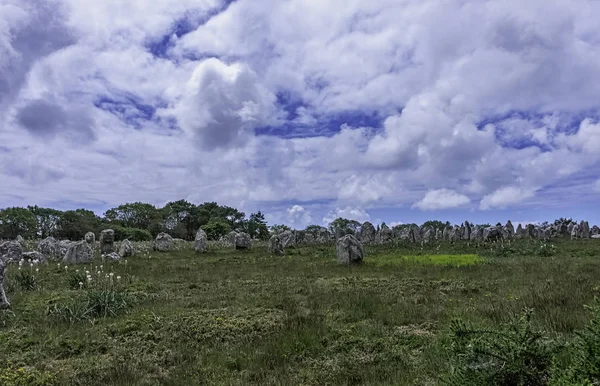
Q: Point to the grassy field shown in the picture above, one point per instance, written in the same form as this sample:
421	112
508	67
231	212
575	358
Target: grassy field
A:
247	318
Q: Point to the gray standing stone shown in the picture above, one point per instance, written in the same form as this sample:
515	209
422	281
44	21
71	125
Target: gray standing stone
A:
477	234
90	238
384	235
466	235
276	245
11	251
49	248
107	241
200	241
288	239
242	241
455	234
63	247
492	234
126	249
595	230
575	232
367	233
584	228
78	252
349	250
163	242
510	229
429	235
447	234
416	233
20	239
3	299
530	231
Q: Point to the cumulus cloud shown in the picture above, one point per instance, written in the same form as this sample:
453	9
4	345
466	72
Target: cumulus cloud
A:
199	100
505	197
442	199
349	213
298	216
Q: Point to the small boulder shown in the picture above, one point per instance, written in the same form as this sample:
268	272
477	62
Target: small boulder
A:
126	249
34	256
201	241
242	241
107	241
276	245
63	247
20	239
163	243
113	256
11	251
349	250
288	239
78	252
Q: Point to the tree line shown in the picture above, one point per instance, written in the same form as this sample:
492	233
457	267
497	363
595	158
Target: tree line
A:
135	221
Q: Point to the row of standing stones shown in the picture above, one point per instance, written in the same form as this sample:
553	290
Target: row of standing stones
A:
82	251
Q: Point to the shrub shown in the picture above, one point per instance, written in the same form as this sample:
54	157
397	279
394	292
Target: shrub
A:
515	355
76	280
25	280
546	250
26	376
132	234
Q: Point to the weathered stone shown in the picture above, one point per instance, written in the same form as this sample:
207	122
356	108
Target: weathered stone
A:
324	236
78	252
530	231
242	241
163	242
596	236
584	228
107	241
11	251
49	248
288	239
510	229
300	237
416	233
276	245
492	234
367	233
3	299
34	256
349	250
477	234
63	247
126	249
200	241
384	235
90	238
113	256
575	232
466	231
520	232
429	235
20	239
455	234
438	234
447	234
595	230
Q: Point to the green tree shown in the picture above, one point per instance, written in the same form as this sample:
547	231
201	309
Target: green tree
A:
436	224
47	220
342	226
279	228
133	215
74	224
17	221
180	219
216	228
256	226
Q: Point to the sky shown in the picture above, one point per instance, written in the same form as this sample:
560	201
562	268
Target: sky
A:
392	110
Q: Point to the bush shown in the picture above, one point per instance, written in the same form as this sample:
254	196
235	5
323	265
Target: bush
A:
76	280
25	280
97	303
514	355
26	376
546	250
132	234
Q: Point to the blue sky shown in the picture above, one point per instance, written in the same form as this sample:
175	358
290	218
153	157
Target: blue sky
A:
392	110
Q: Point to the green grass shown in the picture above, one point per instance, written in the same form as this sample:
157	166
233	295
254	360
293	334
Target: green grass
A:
247	318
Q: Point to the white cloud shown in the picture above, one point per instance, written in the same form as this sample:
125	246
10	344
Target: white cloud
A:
349	213
83	94
505	197
442	199
299	217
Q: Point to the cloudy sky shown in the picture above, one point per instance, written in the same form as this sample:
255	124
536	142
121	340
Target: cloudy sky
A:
388	110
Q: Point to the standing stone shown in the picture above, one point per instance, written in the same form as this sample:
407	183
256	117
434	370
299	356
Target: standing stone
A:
584	228
201	241
575	232
447	234
3	300
323	236
163	242
107	241
20	239
510	229
49	248
595	230
530	231
429	235
466	235
367	233
11	251
242	241
416	233
455	234
349	250
492	234
126	249
570	229
438	234
477	234
300	237
90	238
63	247
384	235
78	252
276	245
288	239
